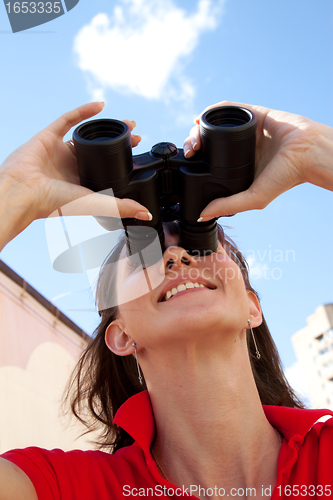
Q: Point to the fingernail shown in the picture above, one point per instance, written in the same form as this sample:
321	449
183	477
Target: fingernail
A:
132	121
143	215
205	218
186	150
102	102
194	143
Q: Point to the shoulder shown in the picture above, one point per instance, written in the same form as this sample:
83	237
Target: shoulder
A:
318	452
15	483
56	473
75	461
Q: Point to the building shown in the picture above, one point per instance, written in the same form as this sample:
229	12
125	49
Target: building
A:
39	348
313	346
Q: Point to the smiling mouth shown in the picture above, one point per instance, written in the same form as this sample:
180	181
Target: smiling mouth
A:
184	292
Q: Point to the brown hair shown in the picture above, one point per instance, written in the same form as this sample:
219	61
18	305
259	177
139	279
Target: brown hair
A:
103	381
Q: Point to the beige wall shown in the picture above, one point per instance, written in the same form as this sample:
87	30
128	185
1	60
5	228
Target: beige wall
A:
37	354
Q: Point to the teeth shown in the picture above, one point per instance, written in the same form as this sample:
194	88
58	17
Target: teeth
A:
182	287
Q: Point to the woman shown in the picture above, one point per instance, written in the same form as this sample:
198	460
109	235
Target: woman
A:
202	430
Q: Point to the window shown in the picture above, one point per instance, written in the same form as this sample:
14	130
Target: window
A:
328	364
323	351
320	337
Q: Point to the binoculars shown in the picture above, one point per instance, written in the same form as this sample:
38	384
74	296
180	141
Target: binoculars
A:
171	186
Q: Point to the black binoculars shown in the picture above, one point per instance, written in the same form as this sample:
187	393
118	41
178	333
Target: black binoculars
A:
171	186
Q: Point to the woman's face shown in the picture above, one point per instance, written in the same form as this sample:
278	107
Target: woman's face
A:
150	319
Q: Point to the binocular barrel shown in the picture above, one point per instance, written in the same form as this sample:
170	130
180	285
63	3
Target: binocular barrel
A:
228	136
163	177
104	154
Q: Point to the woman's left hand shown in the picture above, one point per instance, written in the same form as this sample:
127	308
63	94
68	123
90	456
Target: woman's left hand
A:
290	150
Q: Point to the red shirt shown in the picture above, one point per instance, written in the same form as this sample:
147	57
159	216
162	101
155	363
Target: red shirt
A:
305	461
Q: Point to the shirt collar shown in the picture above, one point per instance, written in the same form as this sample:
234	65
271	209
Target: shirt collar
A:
293	421
136	417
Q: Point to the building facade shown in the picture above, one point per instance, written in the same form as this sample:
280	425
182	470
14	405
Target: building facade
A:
313	346
39	347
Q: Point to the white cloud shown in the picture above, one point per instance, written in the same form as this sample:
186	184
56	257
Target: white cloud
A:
143	46
296	379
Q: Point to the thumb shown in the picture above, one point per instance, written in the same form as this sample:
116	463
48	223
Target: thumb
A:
78	200
231	205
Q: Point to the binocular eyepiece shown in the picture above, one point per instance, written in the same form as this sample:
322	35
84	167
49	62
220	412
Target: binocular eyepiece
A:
163	180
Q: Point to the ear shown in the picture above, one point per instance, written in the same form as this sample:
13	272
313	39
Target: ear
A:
117	339
255	315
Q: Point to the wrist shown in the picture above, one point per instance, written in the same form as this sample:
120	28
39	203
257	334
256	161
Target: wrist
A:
319	169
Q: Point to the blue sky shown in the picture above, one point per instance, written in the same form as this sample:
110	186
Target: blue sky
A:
161	64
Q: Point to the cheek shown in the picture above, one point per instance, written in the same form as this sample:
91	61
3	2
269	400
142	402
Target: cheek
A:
232	280
132	288
226	269
133	314
131	285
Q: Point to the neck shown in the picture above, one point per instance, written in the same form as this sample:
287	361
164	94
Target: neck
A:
211	428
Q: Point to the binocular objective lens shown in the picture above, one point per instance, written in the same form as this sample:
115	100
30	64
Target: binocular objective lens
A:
228	117
101	130
104	154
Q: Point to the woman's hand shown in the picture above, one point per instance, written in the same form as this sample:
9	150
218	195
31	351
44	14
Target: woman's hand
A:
290	150
41	176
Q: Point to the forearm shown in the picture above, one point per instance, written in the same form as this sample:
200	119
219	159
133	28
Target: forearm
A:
14	212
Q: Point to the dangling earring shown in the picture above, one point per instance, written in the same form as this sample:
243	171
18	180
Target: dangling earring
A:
254	340
137	363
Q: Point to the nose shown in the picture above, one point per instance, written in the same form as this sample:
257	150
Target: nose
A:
176	257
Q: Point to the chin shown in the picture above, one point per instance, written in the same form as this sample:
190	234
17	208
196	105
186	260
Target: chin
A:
199	318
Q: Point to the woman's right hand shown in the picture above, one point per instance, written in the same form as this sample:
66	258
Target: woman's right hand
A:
41	177
290	150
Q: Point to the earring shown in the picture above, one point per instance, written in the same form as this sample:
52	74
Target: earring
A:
254	340
137	363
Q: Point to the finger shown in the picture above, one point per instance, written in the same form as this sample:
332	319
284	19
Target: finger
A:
195	138
134	138
222	207
187	148
260	111
130	123
63	124
193	142
70	145
81	201
262	191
